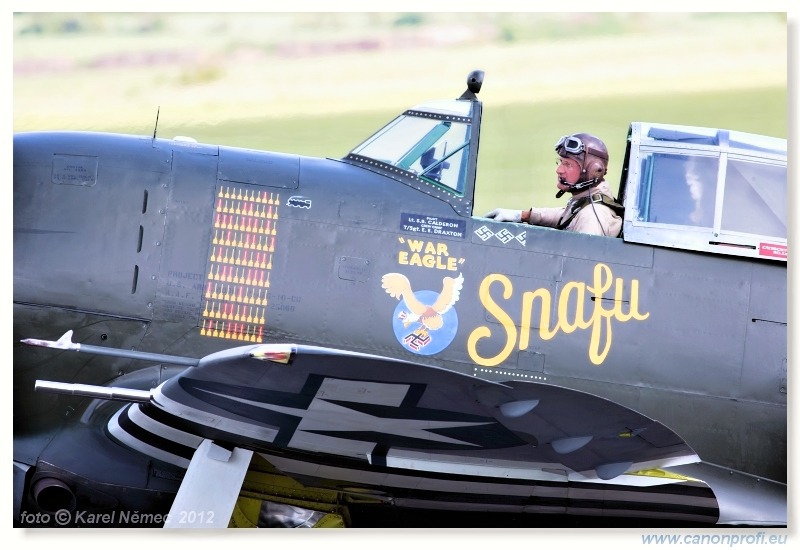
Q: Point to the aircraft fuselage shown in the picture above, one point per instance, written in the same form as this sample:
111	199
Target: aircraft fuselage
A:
185	248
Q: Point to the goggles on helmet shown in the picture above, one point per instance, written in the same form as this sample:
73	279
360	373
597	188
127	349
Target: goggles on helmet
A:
574	145
571	144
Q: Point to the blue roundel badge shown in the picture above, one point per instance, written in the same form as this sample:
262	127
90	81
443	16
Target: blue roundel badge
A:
426	333
425	321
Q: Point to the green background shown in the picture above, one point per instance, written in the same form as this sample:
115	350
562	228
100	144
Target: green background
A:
318	84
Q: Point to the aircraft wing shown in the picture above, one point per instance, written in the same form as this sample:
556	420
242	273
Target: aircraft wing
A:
425	436
359	406
334	418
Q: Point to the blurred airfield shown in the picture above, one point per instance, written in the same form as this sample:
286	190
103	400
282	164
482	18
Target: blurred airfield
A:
318	84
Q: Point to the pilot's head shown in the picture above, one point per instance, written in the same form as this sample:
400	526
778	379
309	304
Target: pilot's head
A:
589	157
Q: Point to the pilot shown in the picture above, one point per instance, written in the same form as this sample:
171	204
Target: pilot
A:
582	166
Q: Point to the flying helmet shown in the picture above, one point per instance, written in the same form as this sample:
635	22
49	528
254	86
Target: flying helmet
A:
589	152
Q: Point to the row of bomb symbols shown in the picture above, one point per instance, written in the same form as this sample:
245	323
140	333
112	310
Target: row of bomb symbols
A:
245	258
232	331
248	195
269	211
247	241
239	275
234	312
246	223
236	293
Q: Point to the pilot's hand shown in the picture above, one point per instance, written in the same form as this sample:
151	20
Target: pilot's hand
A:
505	215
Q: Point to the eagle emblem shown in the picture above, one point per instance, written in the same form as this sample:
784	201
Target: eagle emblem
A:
422	313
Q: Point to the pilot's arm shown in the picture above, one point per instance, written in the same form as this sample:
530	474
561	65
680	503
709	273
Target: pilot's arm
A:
505	215
548	217
535	216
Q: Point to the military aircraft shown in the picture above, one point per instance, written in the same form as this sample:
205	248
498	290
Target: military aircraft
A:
210	336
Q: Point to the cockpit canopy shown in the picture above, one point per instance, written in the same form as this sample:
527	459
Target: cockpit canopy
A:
706	189
429	144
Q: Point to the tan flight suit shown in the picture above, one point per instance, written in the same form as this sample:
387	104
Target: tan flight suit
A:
594	219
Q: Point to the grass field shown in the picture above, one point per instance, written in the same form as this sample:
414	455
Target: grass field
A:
318	86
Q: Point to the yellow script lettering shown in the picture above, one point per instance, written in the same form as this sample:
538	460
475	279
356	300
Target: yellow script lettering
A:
485	332
571	314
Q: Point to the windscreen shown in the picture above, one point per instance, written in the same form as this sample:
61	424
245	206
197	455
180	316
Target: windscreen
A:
432	144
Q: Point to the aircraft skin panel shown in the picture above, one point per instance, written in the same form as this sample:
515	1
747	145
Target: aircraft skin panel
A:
767	284
187	235
238	166
127	187
765	377
546	240
743	499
